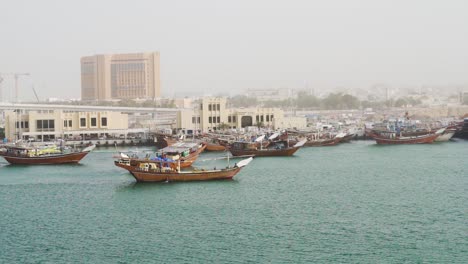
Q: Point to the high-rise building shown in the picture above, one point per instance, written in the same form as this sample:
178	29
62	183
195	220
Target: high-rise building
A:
120	76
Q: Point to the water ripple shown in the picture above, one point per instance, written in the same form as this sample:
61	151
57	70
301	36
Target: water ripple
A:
352	203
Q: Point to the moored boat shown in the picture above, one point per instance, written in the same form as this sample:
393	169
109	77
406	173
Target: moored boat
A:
164	140
184	153
462	129
394	139
316	141
215	147
43	156
322	142
156	171
251	149
213	144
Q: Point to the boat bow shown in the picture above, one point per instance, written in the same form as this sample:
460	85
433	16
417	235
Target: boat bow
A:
244	162
300	143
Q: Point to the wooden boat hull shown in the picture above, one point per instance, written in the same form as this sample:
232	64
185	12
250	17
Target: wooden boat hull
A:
215	147
265	152
322	143
347	138
411	140
187	162
405	133
197	175
163	141
201	149
46	160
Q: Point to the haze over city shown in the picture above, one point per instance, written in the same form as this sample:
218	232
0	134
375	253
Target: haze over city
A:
210	131
210	47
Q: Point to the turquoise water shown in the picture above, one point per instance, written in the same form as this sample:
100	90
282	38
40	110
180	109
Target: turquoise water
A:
353	203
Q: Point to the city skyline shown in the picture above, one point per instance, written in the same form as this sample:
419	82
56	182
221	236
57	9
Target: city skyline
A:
209	47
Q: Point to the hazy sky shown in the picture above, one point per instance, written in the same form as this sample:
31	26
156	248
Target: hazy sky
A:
212	46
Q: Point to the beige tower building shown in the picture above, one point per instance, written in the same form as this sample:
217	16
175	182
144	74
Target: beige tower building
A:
120	76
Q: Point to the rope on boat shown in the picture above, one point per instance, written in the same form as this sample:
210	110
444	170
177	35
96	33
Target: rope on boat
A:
230	157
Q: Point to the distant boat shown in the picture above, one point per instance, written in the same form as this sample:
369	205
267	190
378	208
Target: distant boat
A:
46	155
183	152
393	139
462	129
213	144
164	140
215	147
251	148
324	142
160	171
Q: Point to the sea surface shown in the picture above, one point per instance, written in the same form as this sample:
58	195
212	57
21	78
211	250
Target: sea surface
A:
352	203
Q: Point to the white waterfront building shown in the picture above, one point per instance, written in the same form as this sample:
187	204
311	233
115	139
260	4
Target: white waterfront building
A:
211	114
44	125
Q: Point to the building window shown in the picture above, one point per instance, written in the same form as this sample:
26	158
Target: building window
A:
194	119
69	123
93	122
23	124
45	125
257	118
271	117
261	118
218	119
65	123
104	121
217	107
201	106
210	120
198	120
234	119
209	107
267	118
229	119
82	122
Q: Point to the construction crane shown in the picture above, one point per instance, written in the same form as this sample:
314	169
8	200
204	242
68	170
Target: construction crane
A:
35	94
18	121
16	76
